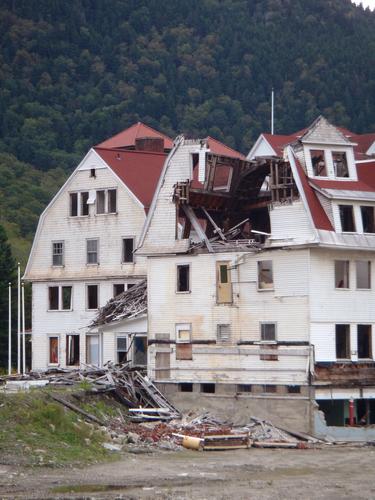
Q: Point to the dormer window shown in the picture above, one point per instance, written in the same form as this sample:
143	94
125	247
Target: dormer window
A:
340	164
347	218
318	162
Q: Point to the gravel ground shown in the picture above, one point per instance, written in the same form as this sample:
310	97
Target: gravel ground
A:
328	473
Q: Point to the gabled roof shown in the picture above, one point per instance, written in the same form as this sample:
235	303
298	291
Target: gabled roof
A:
127	137
139	170
219	148
322	132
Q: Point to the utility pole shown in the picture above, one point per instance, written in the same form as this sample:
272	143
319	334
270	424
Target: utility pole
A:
10	329
19	320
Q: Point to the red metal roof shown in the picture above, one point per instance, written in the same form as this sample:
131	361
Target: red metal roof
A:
139	170
127	137
219	148
278	142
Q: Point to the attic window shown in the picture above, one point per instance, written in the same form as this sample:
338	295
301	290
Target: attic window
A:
340	164
318	162
347	218
92	172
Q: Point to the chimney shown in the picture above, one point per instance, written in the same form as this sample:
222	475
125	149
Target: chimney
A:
153	144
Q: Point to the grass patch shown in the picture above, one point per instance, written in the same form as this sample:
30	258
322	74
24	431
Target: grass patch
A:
35	430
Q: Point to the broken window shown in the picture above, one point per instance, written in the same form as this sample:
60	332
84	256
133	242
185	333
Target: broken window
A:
318	162
364	341
72	350
294	389
223	283
343	341
183	332
268	332
53	350
66	299
127	250
183	284
122	349
265	275
184	351
368	219
363	273
341	274
112	201
84	205
92	350
92	251
208	388
244	388
347	218
92	296
185	387
57	253
140	350
118	288
73	204
223	333
100	202
340	164
53	295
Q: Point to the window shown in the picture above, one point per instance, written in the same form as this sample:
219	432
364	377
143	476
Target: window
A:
268	332
92	296
343	341
93	350
363	273
243	388
53	358
364	341
223	283
340	164
100	202
92	251
265	275
73	204
140	350
368	219
270	389
183	284
223	333
318	162
127	250
112	201
60	298
208	388
118	288
341	274
122	349
269	352
72	350
184	351
183	332
185	387
347	218
53	294
58	253
84	205
294	389
92	172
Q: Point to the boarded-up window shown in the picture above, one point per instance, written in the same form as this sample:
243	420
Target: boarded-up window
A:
347	218
223	333
368	219
53	295
183	278
53	350
184	351
268	332
162	365
265	275
363	269
223	283
340	164
364	341
269	352
343	341
318	162
72	350
341	274
127	250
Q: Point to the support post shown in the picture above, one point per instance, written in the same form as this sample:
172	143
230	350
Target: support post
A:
351	412
10	329
19	320
23	331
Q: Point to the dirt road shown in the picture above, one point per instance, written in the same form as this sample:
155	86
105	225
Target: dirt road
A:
341	473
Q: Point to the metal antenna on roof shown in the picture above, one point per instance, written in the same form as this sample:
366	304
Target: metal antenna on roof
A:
272	111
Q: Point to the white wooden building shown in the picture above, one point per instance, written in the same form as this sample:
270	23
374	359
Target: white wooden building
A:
83	252
279	313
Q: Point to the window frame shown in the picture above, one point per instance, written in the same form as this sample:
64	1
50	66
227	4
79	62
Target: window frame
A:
92	252
53	336
348	341
123	261
97	296
368	325
75	335
179	327
369	270
264	323
344	205
60	301
58	242
219	340
344	153
266	289
361	207
126	337
326	176
188	265
81	203
108	201
336	261
97	201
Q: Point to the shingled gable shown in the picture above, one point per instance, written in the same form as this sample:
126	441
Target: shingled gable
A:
322	132
127	138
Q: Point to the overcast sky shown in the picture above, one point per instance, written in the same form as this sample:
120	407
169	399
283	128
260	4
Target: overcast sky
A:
365	3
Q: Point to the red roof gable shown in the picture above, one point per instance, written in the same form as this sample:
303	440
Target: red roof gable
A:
139	170
219	148
278	142
127	137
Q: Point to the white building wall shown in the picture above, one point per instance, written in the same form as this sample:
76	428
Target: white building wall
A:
290	224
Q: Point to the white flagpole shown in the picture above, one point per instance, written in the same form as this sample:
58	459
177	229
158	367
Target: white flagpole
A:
19	320
23	331
272	112
10	330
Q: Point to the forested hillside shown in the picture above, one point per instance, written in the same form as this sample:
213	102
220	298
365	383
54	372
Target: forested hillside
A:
74	72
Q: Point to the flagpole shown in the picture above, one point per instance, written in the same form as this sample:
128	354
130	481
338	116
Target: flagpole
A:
23	331
10	329
19	320
272	112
